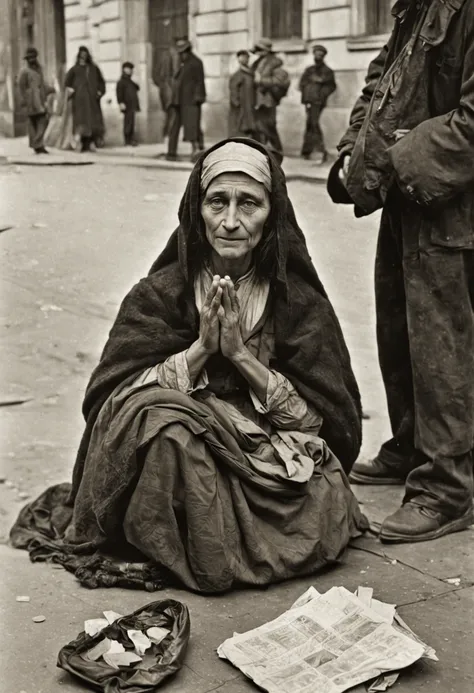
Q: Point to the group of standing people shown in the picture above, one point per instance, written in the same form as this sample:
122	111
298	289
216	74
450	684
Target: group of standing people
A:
257	89
77	121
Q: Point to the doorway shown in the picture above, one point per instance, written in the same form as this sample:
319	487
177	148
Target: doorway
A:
167	20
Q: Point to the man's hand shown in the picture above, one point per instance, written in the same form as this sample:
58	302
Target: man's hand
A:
344	170
209	320
123	108
231	342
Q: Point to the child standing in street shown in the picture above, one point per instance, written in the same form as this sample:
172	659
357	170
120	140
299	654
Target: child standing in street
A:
127	97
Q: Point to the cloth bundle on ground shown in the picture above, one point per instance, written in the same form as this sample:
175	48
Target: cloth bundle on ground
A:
160	661
174	476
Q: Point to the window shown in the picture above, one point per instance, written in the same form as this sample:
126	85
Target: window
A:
282	19
379	18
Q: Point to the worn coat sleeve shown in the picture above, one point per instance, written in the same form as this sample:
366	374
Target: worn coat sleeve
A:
120	92
235	83
200	88
435	161
100	81
359	111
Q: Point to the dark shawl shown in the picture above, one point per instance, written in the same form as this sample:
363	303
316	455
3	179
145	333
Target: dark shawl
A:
158	318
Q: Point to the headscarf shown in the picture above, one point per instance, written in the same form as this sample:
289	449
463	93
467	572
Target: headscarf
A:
236	157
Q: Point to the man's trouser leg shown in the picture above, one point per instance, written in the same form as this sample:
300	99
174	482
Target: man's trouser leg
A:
439	285
37	125
266	123
174	127
128	126
392	338
313	138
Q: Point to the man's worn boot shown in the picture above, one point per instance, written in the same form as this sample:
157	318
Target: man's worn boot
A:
412	523
387	469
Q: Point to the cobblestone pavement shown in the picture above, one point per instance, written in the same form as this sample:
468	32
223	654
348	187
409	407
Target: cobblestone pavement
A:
80	237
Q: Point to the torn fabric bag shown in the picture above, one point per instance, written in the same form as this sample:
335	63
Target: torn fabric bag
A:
162	659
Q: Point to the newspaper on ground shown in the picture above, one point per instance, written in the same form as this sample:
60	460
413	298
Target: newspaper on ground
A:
326	642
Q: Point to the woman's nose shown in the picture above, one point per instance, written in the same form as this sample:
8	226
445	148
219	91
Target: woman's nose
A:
231	221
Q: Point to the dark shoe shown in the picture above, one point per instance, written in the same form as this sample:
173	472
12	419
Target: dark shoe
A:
307	157
377	472
41	150
413	523
171	157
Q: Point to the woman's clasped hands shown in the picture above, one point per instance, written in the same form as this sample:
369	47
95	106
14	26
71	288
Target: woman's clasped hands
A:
219	320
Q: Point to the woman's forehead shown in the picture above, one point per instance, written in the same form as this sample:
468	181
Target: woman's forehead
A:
236	180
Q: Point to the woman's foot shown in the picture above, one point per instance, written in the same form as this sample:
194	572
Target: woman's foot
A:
412	523
41	150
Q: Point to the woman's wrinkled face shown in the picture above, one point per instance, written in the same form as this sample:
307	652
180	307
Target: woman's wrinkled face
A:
234	209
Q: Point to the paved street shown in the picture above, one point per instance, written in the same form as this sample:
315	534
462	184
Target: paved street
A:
81	236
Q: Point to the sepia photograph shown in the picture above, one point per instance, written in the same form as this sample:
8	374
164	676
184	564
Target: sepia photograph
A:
237	327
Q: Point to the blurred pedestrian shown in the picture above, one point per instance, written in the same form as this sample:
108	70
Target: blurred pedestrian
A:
188	93
242	99
316	85
34	93
127	98
271	85
88	87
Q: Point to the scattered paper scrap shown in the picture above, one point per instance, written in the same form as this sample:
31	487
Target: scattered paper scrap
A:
157	634
332	641
116	647
112	616
454	581
97	651
47	307
152	197
38	619
121	659
39	225
140	641
23	495
94	625
384	682
23	598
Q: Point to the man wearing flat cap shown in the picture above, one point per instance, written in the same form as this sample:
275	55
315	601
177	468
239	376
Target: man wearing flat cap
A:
316	85
271	85
33	93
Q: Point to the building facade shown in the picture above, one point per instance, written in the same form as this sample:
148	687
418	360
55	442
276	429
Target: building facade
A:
141	30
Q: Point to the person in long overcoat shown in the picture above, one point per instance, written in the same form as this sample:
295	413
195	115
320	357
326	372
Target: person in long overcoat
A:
271	85
409	150
188	93
316	85
34	93
88	87
242	99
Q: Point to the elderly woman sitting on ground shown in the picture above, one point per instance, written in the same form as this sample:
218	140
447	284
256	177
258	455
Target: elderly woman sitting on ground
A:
221	400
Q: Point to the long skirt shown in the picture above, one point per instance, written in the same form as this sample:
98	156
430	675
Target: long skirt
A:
210	496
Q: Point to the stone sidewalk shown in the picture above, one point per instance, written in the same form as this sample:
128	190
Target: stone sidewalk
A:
16	151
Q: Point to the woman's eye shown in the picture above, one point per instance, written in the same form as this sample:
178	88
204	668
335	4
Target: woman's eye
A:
249	204
216	203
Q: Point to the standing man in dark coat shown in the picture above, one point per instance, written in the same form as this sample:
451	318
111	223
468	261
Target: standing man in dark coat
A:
242	99
127	98
410	150
33	93
188	93
316	85
272	83
87	87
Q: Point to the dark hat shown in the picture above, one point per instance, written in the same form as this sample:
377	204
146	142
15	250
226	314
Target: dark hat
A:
183	45
242	52
127	63
31	53
319	47
262	44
